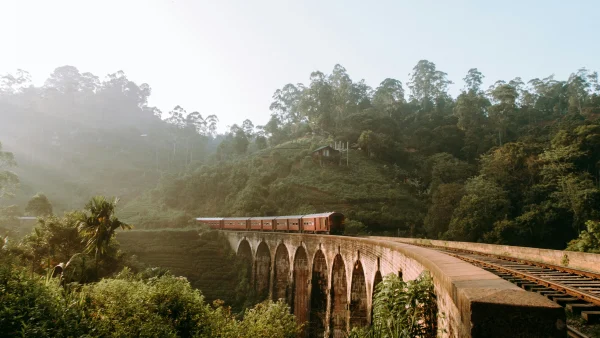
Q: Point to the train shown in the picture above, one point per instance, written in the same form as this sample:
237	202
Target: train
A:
323	223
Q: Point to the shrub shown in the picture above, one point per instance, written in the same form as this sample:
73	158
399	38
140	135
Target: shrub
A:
32	307
354	228
269	319
402	309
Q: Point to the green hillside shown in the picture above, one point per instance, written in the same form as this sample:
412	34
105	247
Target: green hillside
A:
284	180
517	163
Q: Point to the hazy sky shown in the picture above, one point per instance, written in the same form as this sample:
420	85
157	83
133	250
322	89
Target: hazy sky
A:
228	57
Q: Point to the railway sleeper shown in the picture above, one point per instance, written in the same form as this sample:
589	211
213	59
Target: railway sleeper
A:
522	282
540	289
529	286
591	317
577	308
562	301
555	294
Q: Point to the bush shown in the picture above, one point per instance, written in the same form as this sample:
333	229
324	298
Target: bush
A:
32	307
354	228
402	309
129	305
269	319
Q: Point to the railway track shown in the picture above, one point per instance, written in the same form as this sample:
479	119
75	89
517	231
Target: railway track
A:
578	291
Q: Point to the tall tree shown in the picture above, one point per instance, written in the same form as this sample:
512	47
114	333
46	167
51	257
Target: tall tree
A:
427	83
39	205
8	179
98	224
389	96
473	80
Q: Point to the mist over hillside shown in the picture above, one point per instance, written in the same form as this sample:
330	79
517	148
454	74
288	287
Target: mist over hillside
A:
421	162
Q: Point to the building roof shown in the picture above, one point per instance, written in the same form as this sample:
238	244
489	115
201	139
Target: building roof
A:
323	147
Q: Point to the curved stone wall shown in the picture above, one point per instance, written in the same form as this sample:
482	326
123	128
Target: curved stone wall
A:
471	302
571	259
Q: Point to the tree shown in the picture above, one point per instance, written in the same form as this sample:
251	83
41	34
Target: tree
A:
8	179
444	201
39	205
473	81
427	83
483	204
471	111
98	224
589	240
14	83
285	103
389	96
503	112
65	80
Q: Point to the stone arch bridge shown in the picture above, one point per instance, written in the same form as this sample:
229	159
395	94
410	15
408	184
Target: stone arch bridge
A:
329	281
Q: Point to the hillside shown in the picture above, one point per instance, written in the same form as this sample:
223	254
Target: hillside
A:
285	180
517	163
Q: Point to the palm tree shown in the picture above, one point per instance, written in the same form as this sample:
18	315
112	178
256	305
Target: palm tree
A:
98	224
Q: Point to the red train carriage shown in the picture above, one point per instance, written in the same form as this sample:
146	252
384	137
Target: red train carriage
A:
292	223
329	222
281	223
214	223
265	223
236	223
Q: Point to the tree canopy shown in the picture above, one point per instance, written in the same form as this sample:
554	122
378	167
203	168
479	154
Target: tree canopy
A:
515	163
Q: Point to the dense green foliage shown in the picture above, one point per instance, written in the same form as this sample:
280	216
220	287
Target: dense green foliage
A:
62	281
516	163
8	179
588	240
402	309
78	135
129	305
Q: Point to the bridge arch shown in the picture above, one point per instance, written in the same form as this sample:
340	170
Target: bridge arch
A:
301	279
339	298
358	297
318	295
262	271
281	278
244	255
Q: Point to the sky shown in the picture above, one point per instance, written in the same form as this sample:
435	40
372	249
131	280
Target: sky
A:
227	57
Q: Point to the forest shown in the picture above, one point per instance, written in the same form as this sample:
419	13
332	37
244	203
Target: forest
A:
516	163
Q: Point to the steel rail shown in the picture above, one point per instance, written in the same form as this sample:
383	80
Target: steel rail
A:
583	295
584	273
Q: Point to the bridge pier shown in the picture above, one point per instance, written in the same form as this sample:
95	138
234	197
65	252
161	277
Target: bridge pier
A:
358	298
262	268
300	294
339	299
281	274
319	296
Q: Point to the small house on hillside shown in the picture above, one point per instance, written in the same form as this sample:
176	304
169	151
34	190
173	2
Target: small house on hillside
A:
326	154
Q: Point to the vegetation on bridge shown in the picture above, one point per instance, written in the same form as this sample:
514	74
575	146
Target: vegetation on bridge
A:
402	309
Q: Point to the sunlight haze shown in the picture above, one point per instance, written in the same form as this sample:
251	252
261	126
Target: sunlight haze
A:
228	57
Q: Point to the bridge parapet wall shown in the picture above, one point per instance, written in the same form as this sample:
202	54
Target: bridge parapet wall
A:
472	302
571	259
